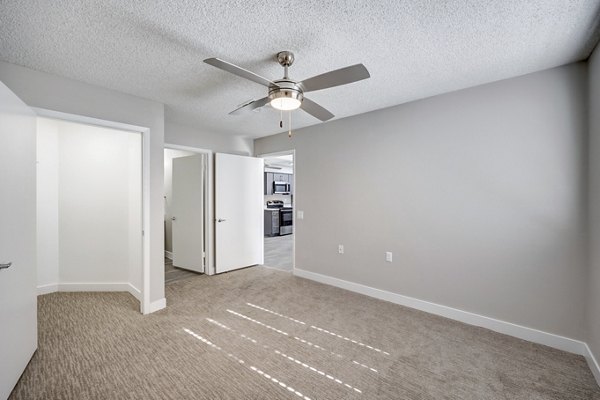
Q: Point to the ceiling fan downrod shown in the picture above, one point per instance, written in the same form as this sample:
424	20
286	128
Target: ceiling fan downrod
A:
285	59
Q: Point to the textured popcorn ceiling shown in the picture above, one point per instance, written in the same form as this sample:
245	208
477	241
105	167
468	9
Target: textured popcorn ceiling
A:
413	49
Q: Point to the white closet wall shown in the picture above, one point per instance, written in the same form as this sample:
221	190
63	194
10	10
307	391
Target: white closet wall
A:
47	205
89	197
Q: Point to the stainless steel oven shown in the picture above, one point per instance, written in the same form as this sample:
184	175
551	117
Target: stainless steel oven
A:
286	221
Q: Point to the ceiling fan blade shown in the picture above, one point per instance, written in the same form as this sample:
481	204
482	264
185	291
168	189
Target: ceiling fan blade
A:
249	106
316	110
239	71
337	77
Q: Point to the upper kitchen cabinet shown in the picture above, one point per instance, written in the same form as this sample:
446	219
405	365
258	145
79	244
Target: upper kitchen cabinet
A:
280	177
271	177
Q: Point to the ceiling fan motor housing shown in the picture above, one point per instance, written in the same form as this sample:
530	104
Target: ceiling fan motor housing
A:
285	89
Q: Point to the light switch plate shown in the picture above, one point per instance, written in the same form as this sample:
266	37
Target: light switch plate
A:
388	256
341	249
300	214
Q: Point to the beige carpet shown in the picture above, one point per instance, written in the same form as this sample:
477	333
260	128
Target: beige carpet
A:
306	341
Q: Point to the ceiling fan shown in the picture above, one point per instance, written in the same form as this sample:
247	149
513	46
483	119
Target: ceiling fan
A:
287	94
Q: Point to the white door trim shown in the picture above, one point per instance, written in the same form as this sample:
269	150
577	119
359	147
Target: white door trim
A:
145	304
295	191
209	268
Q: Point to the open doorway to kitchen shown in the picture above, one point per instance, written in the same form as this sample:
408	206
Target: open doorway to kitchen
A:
279	198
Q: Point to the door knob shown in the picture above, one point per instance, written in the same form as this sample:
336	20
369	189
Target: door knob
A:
221	220
173	218
5	266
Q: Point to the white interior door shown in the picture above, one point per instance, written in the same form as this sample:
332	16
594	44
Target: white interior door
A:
238	211
188	212
18	301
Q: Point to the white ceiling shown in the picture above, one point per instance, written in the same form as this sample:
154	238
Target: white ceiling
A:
412	48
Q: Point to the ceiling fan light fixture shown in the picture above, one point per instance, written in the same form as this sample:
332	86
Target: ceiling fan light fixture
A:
285	100
286	103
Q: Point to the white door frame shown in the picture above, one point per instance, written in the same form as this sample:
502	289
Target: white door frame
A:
285	153
145	304
209	226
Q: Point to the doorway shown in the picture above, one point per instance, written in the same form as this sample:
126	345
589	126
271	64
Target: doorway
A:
186	212
279	205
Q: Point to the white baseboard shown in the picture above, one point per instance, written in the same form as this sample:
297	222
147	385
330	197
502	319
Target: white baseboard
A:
169	255
156	305
100	287
135	292
507	328
45	289
593	363
90	287
94	287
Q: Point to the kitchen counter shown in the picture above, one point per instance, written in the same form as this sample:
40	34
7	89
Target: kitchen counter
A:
275	209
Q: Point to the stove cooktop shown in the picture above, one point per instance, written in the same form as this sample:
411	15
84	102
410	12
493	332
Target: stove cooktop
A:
275	204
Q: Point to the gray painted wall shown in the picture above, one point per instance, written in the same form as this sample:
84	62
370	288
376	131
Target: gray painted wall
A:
593	303
480	195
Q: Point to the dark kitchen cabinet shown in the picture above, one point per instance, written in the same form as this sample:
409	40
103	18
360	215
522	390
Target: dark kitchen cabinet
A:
271	222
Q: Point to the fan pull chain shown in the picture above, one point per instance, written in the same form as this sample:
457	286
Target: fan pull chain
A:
281	118
290	125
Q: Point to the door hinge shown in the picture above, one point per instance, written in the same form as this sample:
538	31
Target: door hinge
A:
143	233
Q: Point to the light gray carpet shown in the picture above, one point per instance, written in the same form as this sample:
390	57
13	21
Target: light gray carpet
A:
279	252
213	342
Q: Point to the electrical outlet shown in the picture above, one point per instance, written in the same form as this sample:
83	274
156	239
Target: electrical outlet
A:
388	256
341	249
300	214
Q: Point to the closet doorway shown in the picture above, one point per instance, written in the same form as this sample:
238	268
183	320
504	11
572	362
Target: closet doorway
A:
89	208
